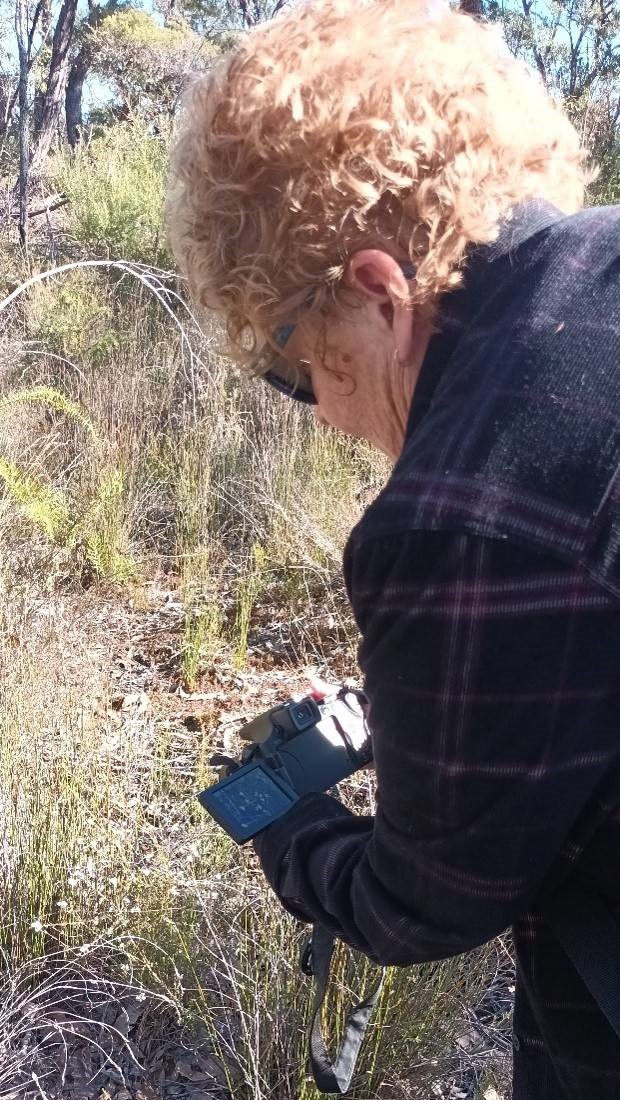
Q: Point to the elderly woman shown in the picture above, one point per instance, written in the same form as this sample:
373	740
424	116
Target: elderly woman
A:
385	208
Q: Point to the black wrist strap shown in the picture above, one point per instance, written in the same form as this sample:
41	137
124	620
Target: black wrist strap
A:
334	1077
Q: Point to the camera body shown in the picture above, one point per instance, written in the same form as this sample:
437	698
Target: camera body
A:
301	746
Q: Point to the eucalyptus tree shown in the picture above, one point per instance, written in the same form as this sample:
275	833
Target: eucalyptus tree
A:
574	46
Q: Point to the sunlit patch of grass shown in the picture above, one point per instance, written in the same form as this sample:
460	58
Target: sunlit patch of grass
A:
103	841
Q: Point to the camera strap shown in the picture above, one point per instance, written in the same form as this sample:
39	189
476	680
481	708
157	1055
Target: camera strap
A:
334	1077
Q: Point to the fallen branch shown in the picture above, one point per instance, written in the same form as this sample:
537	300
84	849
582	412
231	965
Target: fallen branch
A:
152	278
45	209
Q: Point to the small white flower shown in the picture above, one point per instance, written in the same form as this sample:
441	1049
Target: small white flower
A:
62	904
72	882
36	926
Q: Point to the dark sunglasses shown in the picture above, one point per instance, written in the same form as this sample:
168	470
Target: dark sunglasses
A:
290	380
294	381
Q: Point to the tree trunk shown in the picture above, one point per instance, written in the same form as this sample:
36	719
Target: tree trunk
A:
13	97
73	96
21	31
56	82
81	67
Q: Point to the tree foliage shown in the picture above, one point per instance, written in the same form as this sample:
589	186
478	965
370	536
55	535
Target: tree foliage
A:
574	45
146	63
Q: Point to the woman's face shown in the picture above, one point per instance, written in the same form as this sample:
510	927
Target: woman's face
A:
364	361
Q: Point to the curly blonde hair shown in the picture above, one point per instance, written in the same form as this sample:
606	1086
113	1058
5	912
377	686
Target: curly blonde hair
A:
357	123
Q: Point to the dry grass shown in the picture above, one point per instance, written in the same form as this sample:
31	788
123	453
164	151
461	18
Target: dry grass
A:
106	853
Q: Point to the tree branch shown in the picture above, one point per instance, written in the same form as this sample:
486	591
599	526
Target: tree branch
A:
10	107
55	205
538	58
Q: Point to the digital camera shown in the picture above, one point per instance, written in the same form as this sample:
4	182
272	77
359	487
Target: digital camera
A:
300	746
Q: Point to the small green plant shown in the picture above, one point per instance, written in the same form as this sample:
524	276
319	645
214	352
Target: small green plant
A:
250	587
116	191
75	317
203	614
52	399
102	529
44	506
201	635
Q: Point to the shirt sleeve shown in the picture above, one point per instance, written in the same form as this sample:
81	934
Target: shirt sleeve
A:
493	709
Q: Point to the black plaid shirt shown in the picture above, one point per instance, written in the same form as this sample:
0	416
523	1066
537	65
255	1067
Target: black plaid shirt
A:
485	580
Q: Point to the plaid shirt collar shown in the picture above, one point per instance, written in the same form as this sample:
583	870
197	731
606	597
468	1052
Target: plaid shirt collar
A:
459	307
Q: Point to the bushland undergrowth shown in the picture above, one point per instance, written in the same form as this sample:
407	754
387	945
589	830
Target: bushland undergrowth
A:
170	543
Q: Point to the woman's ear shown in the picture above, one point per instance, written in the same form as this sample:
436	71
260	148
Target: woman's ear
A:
379	279
376	275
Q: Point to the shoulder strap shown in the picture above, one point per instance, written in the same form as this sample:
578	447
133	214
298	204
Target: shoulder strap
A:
590	935
334	1077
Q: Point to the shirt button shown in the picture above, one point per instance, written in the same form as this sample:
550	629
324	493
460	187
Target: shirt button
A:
516	1043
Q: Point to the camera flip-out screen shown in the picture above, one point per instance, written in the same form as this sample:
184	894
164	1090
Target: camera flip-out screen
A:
248	801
